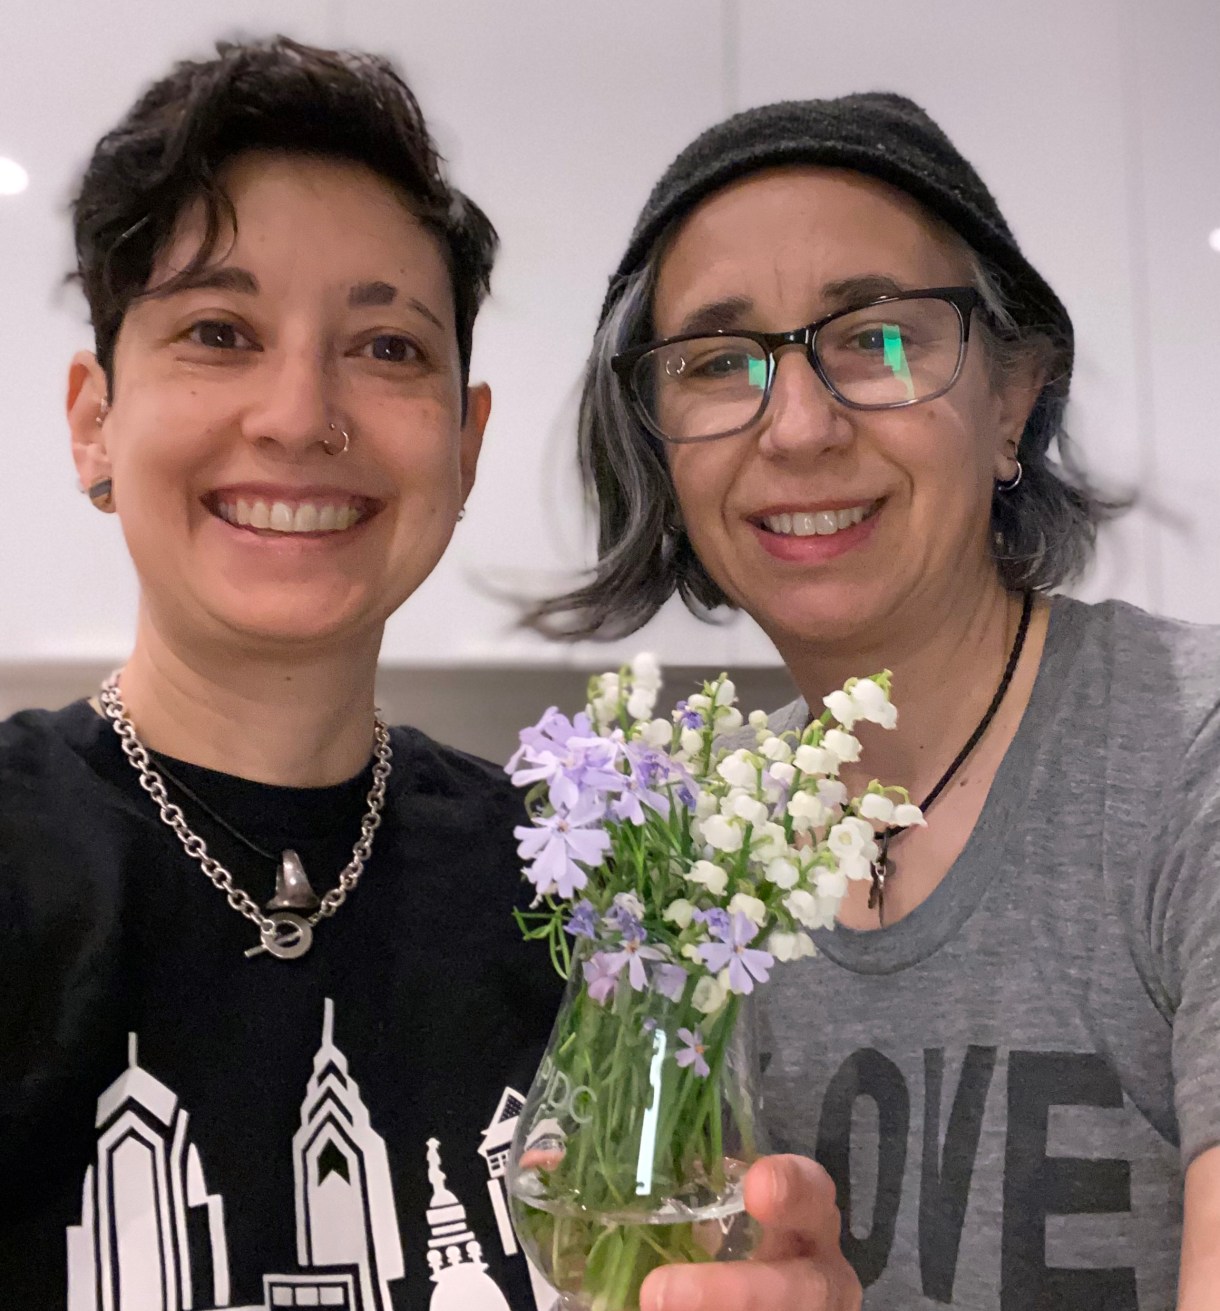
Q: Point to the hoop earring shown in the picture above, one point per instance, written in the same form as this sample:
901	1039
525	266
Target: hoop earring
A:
461	514
1010	484
101	493
347	441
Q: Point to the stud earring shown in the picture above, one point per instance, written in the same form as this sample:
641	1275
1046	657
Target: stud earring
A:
461	514
101	493
102	411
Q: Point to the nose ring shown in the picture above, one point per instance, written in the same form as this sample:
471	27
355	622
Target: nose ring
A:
347	441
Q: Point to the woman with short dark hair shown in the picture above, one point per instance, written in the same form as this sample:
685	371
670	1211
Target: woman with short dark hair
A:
828	388
267	1020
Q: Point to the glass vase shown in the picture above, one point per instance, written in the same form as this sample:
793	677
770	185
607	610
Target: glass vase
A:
632	1146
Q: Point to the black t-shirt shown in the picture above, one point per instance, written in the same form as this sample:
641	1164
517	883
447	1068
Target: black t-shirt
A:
181	1126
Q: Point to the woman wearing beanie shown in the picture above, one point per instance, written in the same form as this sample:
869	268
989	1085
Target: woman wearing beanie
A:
827	388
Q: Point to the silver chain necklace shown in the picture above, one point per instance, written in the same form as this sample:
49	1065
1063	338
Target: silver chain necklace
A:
284	933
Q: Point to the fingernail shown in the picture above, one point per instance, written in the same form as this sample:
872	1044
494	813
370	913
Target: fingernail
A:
779	1188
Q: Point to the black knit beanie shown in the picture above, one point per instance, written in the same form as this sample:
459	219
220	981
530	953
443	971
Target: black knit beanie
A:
885	136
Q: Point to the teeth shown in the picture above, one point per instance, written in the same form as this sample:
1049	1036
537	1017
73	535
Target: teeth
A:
821	523
281	517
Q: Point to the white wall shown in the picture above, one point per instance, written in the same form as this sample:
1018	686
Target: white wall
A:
1096	122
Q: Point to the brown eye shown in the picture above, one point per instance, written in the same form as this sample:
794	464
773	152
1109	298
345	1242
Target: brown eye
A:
392	349
216	334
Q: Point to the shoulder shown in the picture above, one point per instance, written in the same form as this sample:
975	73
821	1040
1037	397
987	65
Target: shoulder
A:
44	745
430	769
1159	671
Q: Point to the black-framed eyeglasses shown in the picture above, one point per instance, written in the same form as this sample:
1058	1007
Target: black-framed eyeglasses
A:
895	351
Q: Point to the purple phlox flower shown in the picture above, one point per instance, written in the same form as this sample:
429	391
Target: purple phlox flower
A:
582	923
649	1025
583	766
600	979
716	919
687	717
669	981
692	1053
685	797
632	955
623	921
745	963
551	733
555	843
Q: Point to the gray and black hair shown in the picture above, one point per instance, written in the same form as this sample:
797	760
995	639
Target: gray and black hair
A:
1043	531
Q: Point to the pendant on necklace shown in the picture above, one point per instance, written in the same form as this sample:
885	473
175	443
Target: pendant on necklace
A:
290	936
292	889
879	871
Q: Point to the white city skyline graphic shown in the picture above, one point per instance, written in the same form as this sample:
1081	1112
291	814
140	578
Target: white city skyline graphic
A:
152	1238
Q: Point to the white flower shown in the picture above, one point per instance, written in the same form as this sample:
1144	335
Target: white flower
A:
782	773
875	806
807	811
843	706
645	672
752	908
831	792
709	995
728	719
775	748
872	702
830	883
698	702
691	741
857	864
726	692
706	803
768	842
841	745
739	769
658	733
750	809
907	815
710	876
790	946
814	760
758	719
641	702
679	912
849	836
691	952
629	902
722	834
783	873
808	909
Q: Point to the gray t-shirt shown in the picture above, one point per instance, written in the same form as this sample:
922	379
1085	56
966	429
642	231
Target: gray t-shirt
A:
1008	1083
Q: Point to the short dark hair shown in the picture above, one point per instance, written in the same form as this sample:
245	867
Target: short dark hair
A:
279	95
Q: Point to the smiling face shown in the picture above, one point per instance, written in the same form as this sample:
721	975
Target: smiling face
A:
332	306
822	522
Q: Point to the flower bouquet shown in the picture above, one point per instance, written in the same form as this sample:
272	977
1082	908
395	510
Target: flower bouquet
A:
673	869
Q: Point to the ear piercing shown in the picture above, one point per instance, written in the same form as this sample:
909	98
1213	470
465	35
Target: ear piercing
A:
1010	484
347	441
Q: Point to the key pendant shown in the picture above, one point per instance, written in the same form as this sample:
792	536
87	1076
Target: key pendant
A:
290	937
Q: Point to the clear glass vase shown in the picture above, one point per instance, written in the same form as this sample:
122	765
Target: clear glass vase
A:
632	1147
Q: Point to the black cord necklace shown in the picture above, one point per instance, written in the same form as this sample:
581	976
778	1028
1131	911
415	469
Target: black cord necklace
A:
881	866
293	890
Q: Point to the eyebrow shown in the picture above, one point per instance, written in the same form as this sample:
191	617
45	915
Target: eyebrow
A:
733	311
716	316
225	277
365	295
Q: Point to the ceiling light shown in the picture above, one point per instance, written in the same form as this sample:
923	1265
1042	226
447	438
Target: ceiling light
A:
1214	240
13	178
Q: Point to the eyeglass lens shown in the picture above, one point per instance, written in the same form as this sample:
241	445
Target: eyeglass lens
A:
875	357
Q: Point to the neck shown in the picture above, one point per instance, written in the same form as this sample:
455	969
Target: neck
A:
946	659
300	722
